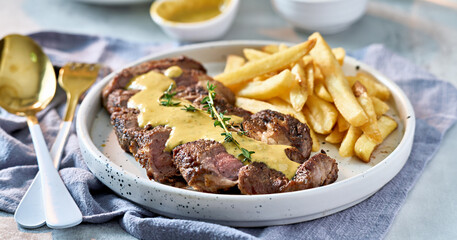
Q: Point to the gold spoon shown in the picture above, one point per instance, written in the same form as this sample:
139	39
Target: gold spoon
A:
27	86
75	79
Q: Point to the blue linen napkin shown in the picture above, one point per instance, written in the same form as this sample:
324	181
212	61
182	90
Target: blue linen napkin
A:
433	100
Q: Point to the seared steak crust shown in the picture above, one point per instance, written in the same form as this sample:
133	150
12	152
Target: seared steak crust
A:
257	178
206	165
125	123
121	80
276	128
152	156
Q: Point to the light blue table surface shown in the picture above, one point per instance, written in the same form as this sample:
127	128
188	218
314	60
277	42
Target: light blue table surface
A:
424	31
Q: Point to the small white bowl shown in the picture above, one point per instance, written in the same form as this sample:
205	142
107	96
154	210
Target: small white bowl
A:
210	29
324	16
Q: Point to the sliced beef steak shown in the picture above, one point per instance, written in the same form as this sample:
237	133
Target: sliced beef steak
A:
276	128
147	145
206	166
152	155
257	178
121	80
118	99
125	123
319	170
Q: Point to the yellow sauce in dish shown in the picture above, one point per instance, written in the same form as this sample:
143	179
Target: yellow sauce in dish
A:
190	11
191	126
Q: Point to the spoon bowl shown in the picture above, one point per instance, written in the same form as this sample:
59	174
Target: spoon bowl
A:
27	86
27	81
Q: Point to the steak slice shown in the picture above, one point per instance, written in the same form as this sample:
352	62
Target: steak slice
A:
317	171
125	123
272	127
118	99
206	166
152	156
257	178
121	80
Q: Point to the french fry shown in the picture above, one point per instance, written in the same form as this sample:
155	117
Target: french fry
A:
233	62
321	115
347	145
268	64
371	127
253	54
339	53
335	136
365	146
343	125
254	106
308	67
298	93
380	107
322	92
336	84
272	48
316	144
282	47
318	75
374	88
269	88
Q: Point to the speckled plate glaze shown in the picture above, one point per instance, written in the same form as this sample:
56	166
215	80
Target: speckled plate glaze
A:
356	182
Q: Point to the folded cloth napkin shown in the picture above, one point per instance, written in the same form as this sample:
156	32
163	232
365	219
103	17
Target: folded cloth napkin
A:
433	100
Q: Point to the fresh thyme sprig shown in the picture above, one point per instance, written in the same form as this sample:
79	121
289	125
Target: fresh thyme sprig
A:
168	97
189	108
222	121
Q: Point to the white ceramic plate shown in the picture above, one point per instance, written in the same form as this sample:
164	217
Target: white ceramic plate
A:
356	182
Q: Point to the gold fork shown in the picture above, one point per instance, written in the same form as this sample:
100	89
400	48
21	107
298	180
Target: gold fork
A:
75	79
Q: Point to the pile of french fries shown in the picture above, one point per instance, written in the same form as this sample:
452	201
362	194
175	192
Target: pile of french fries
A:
307	82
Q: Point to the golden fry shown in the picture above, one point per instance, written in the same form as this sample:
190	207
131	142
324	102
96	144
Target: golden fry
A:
380	107
270	48
298	93
347	145
343	125
335	136
234	62
253	54
374	87
316	144
365	146
271	87
282	47
371	127
336	83
340	54
308	67
322	92
268	64
321	115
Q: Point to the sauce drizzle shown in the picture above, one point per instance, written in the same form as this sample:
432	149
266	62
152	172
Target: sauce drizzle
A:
191	126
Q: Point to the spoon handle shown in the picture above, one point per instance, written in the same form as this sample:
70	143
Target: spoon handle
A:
30	213
61	210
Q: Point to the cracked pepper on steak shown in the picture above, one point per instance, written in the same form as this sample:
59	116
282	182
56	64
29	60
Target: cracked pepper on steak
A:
205	165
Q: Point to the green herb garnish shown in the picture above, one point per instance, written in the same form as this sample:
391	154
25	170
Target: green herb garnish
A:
168	97
222	121
189	108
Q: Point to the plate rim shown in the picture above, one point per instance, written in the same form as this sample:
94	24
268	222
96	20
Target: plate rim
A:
405	142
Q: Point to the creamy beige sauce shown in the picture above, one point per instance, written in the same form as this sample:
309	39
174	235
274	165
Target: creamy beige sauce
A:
191	126
188	11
